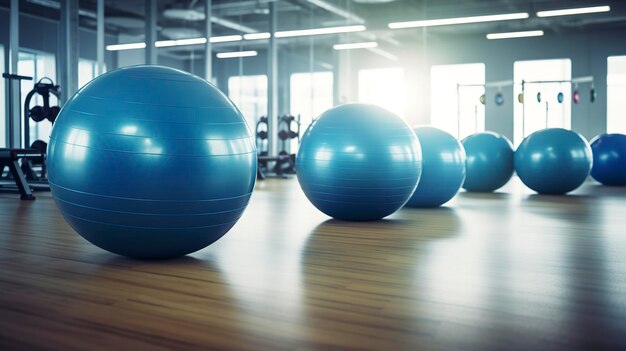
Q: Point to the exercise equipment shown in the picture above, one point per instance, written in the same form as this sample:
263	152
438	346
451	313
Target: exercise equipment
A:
359	162
10	158
443	168
283	163
44	88
151	162
489	162
609	159
498	99
553	161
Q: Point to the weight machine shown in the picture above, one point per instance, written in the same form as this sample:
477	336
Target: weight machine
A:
27	164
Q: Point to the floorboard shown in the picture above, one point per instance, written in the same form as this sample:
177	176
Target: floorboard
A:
509	270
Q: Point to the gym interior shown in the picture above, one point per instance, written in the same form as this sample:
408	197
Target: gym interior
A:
313	175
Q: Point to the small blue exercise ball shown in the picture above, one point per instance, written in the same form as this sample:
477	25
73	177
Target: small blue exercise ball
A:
151	162
443	168
553	161
359	162
609	159
489	163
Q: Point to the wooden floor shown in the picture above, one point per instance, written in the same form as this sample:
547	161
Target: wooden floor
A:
500	271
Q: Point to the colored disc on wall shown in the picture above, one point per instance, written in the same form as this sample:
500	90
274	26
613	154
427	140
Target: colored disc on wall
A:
559	97
538	96
576	96
499	99
482	99
520	98
592	95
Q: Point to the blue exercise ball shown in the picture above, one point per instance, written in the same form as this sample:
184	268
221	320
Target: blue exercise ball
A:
151	162
553	161
609	159
443	168
489	164
359	162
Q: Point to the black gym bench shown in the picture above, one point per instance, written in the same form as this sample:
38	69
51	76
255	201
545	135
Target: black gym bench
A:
9	158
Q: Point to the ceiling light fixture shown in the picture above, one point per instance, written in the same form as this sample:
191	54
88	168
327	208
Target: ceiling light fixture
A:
319	31
234	54
350	46
574	11
179	42
510	35
129	46
256	36
225	38
459	20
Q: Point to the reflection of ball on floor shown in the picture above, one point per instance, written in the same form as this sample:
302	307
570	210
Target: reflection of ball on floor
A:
553	161
489	164
359	162
609	159
151	162
443	168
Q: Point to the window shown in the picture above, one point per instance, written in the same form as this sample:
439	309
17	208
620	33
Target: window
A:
616	90
541	108
249	93
455	98
310	95
37	65
87	70
3	111
383	87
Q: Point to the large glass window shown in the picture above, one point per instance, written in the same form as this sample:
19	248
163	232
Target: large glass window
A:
541	108
455	98
3	111
616	91
87	70
37	65
249	93
384	87
310	95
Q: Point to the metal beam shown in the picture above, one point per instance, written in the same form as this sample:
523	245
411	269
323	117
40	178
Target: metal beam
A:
14	120
151	32
208	50
272	81
337	11
67	65
100	37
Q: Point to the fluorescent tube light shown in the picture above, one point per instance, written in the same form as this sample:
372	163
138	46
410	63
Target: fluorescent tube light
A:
459	20
365	45
256	36
130	46
319	31
180	42
225	38
234	54
509	35
575	11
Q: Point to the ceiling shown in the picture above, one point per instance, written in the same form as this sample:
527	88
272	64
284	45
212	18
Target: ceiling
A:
127	16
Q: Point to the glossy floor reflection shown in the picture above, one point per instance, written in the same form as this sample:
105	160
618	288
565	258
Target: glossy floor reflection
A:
509	270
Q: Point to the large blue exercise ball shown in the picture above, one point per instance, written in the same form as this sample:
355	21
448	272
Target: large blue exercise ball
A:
609	159
359	162
443	168
151	162
553	161
489	163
